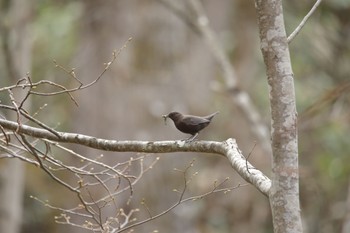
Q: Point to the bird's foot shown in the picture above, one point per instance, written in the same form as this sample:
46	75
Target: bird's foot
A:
190	139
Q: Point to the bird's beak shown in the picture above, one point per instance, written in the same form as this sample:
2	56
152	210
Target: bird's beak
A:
165	117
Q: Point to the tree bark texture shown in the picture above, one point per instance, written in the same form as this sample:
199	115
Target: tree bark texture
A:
284	192
227	148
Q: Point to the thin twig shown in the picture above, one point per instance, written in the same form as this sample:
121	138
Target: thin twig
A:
7	138
246	160
64	90
303	22
26	115
16	109
177	204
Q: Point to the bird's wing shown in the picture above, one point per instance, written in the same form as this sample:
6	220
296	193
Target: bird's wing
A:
193	120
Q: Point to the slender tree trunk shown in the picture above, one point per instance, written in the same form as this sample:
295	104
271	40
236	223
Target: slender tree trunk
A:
11	192
284	193
16	46
346	221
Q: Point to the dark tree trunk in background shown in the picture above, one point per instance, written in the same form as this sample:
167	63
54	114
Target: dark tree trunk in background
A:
16	47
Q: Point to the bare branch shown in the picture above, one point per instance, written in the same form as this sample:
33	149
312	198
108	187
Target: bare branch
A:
226	148
15	108
27	83
115	54
251	151
303	22
26	115
181	198
41	141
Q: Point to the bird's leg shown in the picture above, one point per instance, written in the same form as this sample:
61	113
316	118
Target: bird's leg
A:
190	139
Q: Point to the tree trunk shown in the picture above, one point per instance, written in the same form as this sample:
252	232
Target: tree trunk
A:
11	192
284	193
16	46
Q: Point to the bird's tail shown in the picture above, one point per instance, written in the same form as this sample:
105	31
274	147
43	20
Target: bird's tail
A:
209	117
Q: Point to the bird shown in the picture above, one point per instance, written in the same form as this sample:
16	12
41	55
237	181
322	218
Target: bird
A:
189	124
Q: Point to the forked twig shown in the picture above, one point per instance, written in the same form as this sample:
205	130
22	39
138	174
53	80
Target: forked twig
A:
63	89
181	199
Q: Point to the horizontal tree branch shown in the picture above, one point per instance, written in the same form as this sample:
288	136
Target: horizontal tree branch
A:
227	148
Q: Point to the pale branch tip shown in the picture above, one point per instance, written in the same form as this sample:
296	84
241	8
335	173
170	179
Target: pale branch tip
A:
226	148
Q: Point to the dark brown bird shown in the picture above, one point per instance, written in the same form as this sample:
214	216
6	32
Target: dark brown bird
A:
189	124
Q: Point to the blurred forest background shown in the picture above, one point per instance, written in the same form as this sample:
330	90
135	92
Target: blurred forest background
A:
167	66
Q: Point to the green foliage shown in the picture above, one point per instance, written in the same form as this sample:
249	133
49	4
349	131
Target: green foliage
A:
55	36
